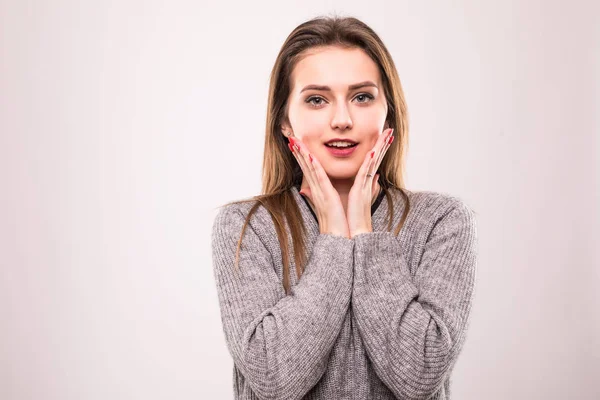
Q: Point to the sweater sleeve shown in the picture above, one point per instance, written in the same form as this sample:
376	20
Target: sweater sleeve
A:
280	343
413	328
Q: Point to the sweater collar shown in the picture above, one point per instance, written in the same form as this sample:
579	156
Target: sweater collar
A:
305	206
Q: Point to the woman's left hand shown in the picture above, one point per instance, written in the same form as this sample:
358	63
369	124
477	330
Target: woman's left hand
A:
361	194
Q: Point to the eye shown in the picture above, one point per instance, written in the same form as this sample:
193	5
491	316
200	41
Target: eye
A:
312	98
367	95
317	101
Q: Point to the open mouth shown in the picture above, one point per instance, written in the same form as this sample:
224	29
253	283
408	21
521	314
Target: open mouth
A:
341	147
345	151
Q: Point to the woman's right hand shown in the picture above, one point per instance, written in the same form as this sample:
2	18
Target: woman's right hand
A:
321	193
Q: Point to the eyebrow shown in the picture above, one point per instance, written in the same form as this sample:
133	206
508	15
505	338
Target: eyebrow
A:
351	87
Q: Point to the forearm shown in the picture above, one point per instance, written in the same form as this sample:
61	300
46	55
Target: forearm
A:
413	327
281	343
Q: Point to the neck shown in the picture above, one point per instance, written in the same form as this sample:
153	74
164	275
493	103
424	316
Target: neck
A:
343	186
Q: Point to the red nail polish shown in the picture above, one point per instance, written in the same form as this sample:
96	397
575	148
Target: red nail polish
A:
291	147
391	139
372	154
292	140
310	156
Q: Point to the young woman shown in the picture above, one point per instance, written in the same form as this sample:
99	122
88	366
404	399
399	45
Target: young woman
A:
379	303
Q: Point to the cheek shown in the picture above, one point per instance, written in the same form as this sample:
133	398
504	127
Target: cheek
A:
373	140
371	124
371	119
310	126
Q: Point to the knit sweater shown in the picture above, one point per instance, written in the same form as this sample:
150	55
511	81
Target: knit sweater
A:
377	316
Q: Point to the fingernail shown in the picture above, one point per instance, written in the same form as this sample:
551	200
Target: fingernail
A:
372	154
391	139
310	156
291	147
291	140
391	132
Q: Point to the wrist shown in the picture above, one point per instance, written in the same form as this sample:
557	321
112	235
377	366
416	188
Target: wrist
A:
359	231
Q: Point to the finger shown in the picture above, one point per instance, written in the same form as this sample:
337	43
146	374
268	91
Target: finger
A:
307	166
383	150
298	156
314	176
372	162
365	167
321	175
305	159
294	147
302	162
374	184
380	153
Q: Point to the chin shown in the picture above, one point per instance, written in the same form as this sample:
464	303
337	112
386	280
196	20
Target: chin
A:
345	172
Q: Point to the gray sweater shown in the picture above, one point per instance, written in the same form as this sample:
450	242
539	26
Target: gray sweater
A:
377	316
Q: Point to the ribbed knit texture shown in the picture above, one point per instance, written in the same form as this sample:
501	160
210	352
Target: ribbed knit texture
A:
377	316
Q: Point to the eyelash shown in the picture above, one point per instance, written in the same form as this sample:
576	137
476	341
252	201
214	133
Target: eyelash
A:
309	100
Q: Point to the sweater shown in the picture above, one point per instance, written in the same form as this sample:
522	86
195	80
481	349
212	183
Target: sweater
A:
376	316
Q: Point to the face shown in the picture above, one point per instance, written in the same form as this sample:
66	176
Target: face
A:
337	109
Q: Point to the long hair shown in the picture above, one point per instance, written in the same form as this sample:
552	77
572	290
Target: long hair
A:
280	170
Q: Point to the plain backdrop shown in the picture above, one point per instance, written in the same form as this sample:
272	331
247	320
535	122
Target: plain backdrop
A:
125	124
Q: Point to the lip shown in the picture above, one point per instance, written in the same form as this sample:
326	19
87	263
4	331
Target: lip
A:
341	140
341	152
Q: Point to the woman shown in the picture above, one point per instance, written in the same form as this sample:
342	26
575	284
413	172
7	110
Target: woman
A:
370	313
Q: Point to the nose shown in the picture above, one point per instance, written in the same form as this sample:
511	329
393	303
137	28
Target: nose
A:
341	117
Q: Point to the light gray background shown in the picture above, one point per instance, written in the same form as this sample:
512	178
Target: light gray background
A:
123	124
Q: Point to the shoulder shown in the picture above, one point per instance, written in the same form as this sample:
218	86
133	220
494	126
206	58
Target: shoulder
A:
443	201
429	208
439	221
232	215
249	212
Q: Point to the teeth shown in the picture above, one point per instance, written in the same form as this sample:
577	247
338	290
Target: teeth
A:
340	144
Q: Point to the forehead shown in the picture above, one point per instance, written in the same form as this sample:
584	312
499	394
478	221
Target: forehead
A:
335	67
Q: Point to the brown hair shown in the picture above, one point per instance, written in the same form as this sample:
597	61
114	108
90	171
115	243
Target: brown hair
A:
280	170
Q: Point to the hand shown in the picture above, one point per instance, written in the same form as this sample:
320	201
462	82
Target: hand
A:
361	193
320	193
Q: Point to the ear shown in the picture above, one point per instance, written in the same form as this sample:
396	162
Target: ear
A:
286	130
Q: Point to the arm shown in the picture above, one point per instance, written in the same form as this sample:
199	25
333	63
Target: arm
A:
280	343
414	327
